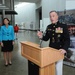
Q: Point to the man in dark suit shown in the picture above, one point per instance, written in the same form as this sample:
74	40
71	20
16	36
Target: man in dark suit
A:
59	38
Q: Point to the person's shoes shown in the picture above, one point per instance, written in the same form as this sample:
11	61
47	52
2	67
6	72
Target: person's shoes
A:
10	63
6	65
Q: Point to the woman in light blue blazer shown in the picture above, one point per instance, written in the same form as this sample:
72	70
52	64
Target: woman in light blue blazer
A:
7	41
0	33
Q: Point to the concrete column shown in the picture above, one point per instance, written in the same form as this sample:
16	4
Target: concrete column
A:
12	4
12	8
3	11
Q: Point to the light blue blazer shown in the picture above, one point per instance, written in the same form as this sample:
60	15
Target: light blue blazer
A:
0	34
7	33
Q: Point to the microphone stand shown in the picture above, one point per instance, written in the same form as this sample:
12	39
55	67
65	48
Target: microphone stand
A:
41	43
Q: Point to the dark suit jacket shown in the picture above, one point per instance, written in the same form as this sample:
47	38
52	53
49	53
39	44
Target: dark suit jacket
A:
58	35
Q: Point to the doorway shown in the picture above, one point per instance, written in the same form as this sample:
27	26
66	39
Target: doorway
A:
38	17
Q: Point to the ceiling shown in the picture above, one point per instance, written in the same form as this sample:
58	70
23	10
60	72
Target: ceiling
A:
31	1
7	3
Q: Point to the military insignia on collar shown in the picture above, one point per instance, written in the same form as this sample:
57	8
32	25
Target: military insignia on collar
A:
59	30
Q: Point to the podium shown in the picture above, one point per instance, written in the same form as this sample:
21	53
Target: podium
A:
41	61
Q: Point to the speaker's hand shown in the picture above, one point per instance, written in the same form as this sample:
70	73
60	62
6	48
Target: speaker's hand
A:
62	51
39	34
2	44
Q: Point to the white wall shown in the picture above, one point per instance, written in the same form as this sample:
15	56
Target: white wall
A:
49	5
46	22
29	13
70	4
26	14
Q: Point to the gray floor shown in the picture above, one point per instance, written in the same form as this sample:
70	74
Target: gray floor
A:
19	66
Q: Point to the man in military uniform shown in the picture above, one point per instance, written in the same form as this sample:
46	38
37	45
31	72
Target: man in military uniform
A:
59	38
